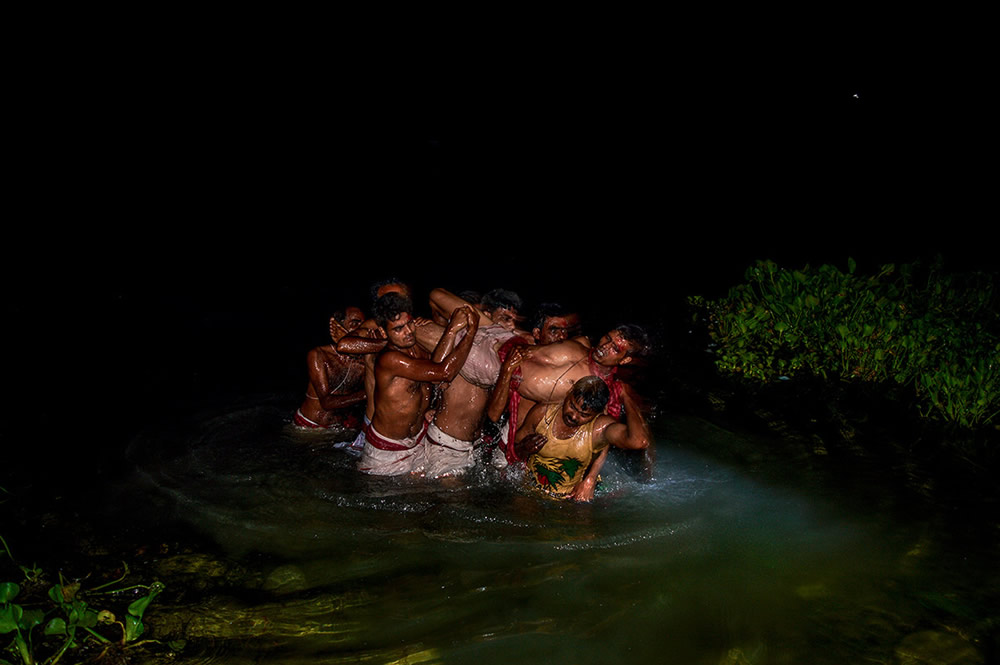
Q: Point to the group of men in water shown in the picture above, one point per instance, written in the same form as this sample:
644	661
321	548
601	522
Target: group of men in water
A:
429	385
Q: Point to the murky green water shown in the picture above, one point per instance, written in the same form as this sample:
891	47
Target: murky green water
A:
771	561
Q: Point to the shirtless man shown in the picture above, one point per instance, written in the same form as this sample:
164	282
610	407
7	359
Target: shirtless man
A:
545	374
394	442
365	342
566	444
335	380
452	433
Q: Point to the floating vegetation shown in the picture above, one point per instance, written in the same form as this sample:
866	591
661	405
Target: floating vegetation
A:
45	626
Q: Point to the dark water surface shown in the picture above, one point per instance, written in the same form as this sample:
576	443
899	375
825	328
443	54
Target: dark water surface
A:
776	559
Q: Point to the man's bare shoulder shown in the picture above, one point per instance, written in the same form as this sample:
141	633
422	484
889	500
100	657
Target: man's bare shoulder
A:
601	424
390	358
321	354
560	353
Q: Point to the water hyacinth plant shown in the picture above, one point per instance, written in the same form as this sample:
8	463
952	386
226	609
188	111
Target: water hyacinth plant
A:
936	333
67	620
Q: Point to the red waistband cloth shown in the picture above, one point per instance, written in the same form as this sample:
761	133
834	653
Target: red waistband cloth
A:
302	421
378	441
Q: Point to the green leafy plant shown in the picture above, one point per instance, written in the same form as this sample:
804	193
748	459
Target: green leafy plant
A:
69	619
937	334
134	627
15	619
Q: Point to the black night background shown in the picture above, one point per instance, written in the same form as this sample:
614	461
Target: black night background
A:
189	219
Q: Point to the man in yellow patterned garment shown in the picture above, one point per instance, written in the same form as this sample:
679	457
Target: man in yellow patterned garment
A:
567	443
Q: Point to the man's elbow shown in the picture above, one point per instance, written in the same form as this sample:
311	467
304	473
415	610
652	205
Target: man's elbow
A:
447	371
636	443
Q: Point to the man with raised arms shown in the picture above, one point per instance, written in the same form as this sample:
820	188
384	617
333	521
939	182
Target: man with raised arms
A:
394	442
545	374
566	444
335	380
365	342
451	435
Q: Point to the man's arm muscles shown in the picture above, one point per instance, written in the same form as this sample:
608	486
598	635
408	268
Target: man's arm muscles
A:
368	338
456	358
425	369
634	433
360	346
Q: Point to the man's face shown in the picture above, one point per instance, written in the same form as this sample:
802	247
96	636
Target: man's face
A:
554	329
353	317
613	349
574	414
400	331
505	318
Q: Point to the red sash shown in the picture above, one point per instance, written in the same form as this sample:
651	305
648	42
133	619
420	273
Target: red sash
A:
615	387
514	400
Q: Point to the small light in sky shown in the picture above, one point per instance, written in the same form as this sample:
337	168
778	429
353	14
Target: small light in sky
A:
856	96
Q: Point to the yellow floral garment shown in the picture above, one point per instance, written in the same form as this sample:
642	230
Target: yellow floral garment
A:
561	463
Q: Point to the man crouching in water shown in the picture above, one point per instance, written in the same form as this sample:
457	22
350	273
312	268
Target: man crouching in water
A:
394	441
335	380
567	443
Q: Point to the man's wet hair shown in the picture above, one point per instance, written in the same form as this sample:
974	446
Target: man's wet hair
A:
471	297
501	299
386	282
390	306
546	311
592	393
636	337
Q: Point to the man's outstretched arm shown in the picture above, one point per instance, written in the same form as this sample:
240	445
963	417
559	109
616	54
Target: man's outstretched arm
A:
425	369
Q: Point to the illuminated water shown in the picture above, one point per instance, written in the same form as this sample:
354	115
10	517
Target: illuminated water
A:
772	560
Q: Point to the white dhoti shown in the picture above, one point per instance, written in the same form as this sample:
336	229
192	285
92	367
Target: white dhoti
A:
356	446
446	455
383	456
